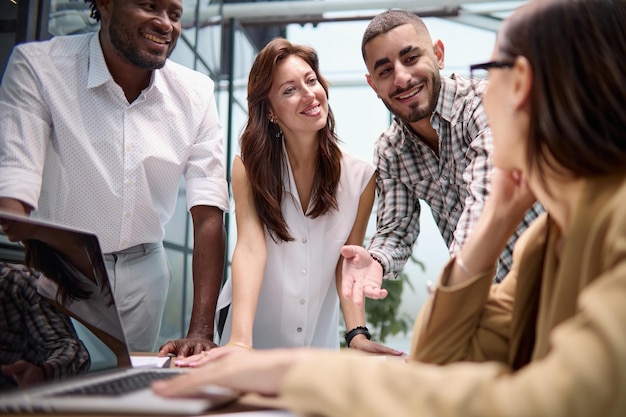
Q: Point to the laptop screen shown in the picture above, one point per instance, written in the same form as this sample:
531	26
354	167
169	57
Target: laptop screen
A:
75	281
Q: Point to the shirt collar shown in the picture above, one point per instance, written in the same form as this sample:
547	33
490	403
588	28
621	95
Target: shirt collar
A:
445	102
99	72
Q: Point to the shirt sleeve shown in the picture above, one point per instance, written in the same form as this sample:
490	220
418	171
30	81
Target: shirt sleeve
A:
584	374
205	173
472	321
476	176
469	322
398	212
54	336
24	130
36	331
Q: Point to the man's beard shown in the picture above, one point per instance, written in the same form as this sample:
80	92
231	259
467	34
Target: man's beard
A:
133	54
417	113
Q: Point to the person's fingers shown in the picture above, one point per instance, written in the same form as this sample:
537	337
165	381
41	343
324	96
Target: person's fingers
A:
348	251
167	348
183	350
201	360
375	293
198	348
205	357
17	367
357	294
370	290
347	283
185	361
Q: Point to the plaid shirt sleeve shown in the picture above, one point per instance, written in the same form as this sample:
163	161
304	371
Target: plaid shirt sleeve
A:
477	148
398	208
35	330
56	337
476	175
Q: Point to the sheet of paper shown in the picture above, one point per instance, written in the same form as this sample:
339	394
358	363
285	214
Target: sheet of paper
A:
148	361
262	413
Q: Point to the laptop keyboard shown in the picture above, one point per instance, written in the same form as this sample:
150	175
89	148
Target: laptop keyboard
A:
122	385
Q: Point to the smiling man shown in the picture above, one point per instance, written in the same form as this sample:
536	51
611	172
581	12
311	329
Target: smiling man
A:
96	131
438	149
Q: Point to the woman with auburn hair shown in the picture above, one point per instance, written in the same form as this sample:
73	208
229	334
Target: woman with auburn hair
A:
298	200
550	340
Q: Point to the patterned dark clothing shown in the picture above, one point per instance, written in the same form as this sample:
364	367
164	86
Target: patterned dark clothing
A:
32	329
454	184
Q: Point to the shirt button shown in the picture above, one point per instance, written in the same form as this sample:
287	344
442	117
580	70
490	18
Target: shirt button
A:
127	214
299	329
304	240
129	147
302	302
128	182
303	272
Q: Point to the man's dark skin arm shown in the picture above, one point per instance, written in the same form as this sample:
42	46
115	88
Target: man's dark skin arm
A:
14	206
208	269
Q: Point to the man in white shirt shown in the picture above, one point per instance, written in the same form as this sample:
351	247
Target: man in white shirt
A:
96	131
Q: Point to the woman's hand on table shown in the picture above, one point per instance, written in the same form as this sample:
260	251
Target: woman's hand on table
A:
257	371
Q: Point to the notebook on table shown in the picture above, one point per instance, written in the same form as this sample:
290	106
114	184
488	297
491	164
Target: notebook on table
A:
122	389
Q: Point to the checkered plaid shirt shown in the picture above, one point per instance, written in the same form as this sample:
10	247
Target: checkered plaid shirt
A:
454	184
33	330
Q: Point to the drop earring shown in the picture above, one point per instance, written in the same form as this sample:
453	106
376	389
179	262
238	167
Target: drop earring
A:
279	132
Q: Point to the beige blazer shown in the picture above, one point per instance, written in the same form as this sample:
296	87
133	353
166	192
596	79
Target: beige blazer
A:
575	367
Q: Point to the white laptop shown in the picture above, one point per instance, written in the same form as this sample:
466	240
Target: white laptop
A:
106	390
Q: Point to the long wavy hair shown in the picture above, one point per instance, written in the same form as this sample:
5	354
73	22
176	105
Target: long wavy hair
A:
578	91
262	148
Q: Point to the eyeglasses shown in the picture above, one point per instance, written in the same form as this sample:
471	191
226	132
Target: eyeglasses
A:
480	72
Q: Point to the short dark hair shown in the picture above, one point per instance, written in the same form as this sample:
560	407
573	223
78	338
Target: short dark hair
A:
388	20
576	50
93	6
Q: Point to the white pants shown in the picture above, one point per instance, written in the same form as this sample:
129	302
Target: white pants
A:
140	278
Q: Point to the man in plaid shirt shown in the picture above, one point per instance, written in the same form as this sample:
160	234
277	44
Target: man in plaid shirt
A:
438	149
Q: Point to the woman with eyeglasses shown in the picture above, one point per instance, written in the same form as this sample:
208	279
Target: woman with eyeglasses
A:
550	340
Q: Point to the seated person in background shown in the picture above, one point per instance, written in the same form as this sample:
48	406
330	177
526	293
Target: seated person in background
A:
37	342
550	340
298	200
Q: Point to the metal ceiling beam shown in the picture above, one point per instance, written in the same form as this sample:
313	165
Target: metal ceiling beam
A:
477	21
316	11
315	7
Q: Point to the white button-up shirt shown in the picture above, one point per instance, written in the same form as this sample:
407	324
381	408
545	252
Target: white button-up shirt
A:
73	147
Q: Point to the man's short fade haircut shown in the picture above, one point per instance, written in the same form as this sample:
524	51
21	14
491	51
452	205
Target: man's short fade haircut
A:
389	20
93	6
